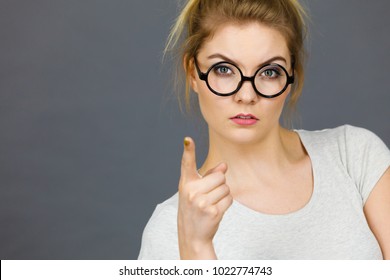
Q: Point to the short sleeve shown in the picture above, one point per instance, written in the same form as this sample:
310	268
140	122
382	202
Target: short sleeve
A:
367	158
159	238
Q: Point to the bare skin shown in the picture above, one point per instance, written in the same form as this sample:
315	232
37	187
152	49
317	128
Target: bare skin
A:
202	202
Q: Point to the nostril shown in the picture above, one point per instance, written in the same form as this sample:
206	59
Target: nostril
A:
246	93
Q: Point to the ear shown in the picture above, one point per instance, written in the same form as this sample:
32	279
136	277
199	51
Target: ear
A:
191	74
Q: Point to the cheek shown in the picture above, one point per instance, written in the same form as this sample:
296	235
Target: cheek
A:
272	108
210	104
206	104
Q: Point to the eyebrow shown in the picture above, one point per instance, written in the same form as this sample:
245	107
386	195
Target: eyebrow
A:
218	55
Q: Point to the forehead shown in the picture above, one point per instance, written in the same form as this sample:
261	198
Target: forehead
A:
246	43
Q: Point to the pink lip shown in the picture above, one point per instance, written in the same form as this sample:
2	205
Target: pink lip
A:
248	120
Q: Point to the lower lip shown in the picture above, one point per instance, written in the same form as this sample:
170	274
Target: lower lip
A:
244	121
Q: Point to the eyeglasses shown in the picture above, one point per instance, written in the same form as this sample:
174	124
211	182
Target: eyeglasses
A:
224	79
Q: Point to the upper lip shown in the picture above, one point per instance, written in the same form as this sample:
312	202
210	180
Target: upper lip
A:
245	115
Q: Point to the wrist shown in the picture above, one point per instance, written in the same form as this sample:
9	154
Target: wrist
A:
197	251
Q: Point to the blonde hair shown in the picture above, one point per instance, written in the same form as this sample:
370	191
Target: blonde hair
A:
199	19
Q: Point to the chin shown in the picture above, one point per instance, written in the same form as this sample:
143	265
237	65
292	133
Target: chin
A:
243	137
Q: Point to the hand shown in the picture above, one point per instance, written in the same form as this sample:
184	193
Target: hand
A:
202	203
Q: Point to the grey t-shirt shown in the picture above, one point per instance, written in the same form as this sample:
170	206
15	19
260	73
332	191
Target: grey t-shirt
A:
347	162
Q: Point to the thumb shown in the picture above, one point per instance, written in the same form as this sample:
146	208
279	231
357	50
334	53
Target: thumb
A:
221	167
188	162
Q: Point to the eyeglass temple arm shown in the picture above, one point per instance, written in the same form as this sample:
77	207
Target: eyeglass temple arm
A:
202	76
291	78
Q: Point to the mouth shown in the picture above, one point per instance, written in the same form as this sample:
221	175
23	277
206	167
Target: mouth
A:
244	119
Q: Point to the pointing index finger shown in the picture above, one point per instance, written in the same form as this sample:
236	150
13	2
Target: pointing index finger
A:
188	163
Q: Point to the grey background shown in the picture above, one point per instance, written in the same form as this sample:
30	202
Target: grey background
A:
90	138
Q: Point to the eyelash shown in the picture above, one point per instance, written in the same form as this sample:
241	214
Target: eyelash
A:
219	67
274	70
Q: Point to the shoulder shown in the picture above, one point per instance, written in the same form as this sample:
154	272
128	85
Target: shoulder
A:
169	206
351	144
362	155
163	217
159	239
332	133
343	137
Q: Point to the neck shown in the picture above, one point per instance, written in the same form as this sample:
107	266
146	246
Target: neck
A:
250	160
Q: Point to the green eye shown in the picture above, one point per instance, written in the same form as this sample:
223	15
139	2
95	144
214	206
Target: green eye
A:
222	70
269	73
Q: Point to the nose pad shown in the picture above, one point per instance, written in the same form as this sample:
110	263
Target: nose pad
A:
246	93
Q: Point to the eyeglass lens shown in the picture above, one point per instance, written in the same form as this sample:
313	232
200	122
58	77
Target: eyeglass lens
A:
225	78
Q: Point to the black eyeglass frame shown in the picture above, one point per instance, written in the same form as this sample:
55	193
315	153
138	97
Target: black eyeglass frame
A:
204	77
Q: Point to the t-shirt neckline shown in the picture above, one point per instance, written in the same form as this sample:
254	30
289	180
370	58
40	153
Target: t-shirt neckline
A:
308	206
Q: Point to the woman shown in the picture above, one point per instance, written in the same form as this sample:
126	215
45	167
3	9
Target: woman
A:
265	192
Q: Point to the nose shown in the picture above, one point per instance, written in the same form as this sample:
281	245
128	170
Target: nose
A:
246	93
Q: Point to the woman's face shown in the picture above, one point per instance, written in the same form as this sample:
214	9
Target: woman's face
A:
249	47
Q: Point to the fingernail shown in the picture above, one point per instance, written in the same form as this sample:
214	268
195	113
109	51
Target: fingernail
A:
186	142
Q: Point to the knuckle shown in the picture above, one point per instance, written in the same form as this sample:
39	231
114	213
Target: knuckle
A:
229	201
212	211
220	176
184	187
192	196
225	189
225	203
202	205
